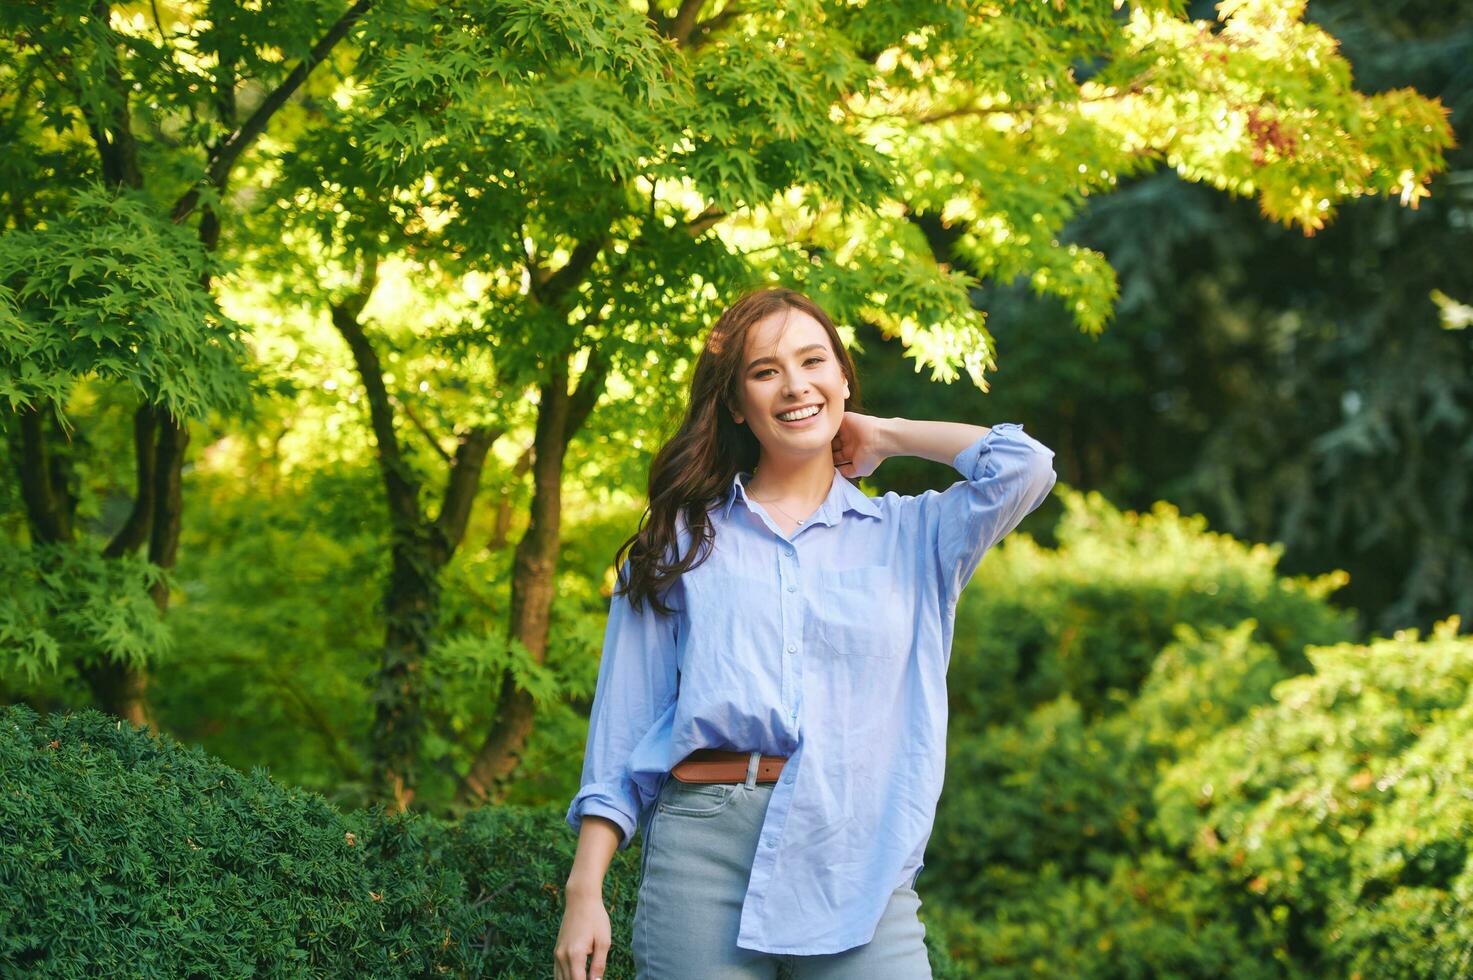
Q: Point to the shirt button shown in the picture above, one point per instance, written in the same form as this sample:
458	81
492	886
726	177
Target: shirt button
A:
768	842
792	588
792	648
790	552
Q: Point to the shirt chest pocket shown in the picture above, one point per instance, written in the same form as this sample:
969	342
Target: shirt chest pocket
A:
858	612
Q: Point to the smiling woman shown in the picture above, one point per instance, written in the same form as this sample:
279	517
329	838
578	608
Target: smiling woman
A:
793	399
782	637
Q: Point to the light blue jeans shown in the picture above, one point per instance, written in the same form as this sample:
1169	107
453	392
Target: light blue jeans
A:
695	862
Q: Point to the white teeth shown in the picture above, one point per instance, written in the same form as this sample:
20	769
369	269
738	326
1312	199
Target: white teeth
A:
802	414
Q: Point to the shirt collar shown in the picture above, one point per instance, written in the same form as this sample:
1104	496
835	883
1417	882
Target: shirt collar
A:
843	497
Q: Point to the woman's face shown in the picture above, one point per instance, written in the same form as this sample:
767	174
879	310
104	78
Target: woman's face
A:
789	364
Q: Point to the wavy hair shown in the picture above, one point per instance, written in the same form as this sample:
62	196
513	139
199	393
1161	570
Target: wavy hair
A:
694	469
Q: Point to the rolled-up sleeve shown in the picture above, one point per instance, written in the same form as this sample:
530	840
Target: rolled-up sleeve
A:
637	682
1007	474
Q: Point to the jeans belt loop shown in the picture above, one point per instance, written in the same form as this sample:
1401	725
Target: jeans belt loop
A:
752	770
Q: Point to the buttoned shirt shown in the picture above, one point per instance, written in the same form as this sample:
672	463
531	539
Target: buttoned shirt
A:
830	646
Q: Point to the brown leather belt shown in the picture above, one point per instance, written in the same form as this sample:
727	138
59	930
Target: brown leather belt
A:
725	766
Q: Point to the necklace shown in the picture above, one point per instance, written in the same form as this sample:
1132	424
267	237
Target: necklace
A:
785	513
774	503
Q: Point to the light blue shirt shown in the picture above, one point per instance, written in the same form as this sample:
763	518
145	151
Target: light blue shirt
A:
829	647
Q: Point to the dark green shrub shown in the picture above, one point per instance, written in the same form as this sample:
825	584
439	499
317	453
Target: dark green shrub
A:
126	854
515	860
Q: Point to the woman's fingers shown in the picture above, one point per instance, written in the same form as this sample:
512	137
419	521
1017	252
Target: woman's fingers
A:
571	959
600	957
585	931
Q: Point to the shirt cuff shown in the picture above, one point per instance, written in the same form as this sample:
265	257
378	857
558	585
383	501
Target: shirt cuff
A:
596	807
969	461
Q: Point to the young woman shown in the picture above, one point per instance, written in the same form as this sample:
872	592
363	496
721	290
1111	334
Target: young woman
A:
770	711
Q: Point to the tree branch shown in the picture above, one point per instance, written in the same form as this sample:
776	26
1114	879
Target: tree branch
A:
464	481
135	529
400	484
224	157
424	430
566	279
47	518
685	20
711	215
586	395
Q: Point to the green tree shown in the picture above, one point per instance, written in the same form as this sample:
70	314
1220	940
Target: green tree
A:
610	178
149	111
1310	391
565	194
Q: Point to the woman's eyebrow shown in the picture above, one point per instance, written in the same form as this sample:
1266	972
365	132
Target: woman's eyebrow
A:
801	350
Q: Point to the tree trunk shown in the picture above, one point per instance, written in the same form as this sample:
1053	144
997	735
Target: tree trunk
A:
44	474
159	440
420	551
411	612
531	593
121	690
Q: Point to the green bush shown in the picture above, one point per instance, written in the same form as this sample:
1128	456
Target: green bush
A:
1079	676
1061	792
1340	818
1143	919
127	854
1050	840
123	854
1087	619
1229	821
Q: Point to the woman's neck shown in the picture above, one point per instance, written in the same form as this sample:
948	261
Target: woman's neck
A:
807	480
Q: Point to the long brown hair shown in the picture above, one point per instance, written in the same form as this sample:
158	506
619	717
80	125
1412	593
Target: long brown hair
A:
696	467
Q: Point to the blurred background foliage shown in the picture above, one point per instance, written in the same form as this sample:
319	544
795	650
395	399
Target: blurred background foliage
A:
1203	720
1312	391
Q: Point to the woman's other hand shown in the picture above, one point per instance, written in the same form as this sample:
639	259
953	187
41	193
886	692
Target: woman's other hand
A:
860	445
585	931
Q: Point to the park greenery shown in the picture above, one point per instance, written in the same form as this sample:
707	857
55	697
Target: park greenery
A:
1249	797
336	339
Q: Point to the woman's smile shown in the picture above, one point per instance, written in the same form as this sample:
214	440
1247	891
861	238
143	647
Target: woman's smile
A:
806	421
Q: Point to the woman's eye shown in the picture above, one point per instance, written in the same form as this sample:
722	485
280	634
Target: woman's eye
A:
764	372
